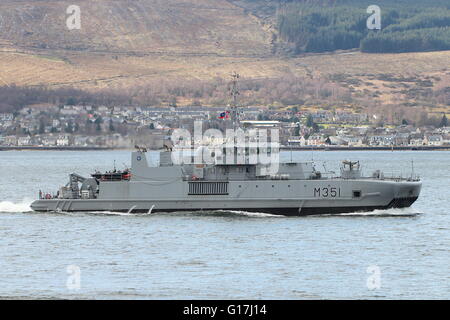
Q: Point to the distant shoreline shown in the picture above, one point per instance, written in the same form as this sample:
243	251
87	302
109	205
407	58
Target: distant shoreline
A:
36	148
397	148
283	148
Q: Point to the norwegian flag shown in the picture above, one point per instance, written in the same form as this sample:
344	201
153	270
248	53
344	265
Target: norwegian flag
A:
224	115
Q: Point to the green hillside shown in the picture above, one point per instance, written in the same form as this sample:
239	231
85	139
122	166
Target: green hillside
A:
323	26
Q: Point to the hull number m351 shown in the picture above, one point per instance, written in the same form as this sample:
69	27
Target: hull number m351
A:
327	192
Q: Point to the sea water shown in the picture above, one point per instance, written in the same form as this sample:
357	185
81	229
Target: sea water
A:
385	254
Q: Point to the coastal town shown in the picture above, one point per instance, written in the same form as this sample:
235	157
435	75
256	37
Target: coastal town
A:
82	126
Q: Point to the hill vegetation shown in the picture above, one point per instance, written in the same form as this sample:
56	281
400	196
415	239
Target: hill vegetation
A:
407	26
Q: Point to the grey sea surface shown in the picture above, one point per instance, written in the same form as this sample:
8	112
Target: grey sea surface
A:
385	254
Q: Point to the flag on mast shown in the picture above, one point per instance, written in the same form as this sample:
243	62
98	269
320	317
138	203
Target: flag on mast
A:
224	115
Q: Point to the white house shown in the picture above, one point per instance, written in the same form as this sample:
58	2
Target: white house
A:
353	141
416	142
435	140
24	141
297	141
6	116
62	141
316	140
48	141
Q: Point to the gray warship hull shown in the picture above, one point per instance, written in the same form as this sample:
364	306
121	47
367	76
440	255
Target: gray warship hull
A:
293	197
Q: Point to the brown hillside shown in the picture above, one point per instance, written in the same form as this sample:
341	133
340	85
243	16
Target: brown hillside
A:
132	43
134	26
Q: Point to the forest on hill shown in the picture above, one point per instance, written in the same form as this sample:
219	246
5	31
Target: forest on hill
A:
324	26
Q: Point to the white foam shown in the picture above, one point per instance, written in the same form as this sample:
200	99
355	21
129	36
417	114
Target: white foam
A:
116	213
394	212
11	207
111	213
252	214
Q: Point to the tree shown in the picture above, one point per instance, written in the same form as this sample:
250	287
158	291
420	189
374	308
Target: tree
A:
316	127
444	122
98	123
71	101
70	127
173	102
297	130
41	126
310	121
111	126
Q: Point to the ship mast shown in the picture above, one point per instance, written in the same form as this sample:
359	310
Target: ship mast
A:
235	93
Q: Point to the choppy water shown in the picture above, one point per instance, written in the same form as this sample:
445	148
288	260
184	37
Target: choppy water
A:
218	255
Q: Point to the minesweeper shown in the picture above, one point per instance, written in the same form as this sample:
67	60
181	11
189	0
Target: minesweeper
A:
296	189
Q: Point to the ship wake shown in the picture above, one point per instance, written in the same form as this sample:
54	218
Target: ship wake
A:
13	207
246	214
394	212
215	213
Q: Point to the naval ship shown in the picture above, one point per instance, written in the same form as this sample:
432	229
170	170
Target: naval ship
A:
297	189
165	185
